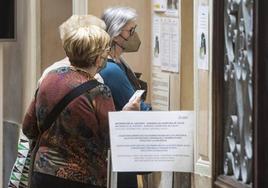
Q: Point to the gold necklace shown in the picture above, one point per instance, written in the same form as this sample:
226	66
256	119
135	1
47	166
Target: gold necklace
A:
80	70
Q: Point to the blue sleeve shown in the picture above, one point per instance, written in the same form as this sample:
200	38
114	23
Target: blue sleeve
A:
145	107
116	79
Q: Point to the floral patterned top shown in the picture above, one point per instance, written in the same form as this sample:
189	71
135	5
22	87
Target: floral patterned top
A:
75	146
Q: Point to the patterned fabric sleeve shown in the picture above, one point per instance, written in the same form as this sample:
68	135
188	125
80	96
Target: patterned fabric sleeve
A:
102	109
29	125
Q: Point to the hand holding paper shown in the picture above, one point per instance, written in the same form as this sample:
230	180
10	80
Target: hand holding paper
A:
134	102
137	94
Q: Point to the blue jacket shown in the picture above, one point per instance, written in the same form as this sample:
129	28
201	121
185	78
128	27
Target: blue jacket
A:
116	79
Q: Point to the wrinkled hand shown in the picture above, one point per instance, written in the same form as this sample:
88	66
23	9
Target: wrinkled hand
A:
133	105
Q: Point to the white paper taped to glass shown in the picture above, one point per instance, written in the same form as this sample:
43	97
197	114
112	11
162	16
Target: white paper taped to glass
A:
152	141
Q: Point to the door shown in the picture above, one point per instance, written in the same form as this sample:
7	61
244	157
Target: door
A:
239	93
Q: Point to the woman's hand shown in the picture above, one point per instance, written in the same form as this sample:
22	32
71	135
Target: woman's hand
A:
133	105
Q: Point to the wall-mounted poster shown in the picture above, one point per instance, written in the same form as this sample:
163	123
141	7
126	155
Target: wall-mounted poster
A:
170	44
173	7
160	90
156	41
202	38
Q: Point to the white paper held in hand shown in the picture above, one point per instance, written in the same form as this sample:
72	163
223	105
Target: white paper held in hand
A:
138	93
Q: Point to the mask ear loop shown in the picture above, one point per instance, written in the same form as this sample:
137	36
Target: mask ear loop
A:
126	39
116	43
112	46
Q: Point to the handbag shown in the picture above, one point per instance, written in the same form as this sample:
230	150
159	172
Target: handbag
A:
19	173
23	167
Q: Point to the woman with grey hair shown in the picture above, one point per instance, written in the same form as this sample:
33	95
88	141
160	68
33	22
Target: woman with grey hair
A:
120	25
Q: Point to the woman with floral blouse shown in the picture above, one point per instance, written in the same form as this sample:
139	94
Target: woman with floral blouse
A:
73	151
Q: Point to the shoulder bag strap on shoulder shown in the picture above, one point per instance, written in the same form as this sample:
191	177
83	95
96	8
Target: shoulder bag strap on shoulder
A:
66	100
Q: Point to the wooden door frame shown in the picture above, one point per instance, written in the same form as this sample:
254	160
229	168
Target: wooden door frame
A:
260	96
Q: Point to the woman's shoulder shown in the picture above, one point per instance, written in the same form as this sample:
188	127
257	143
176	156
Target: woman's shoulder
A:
112	71
101	90
55	73
112	65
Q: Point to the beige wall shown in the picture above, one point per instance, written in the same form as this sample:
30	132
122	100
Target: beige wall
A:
203	88
53	13
186	74
141	60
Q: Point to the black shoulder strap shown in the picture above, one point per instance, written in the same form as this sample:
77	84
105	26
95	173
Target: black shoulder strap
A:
66	100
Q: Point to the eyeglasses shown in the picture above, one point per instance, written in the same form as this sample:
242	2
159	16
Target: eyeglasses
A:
131	31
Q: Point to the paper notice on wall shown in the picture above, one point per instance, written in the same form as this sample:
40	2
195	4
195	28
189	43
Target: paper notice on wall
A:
156	41
160	5
202	38
160	90
173	8
152	141
169	7
170	44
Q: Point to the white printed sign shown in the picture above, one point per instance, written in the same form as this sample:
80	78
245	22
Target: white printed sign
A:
152	141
